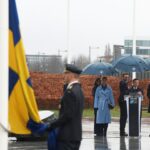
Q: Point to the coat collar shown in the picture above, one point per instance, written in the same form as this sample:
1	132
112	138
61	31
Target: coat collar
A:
106	90
71	84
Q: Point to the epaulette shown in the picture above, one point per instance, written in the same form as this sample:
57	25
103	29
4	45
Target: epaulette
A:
70	87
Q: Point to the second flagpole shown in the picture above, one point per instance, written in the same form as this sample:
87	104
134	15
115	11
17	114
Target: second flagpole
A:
4	73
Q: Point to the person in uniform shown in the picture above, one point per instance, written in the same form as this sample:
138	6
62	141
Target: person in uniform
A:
104	101
70	115
123	86
96	84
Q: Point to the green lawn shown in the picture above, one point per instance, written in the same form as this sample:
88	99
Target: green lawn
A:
115	113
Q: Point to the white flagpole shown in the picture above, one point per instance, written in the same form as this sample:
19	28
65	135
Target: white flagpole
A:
3	73
68	32
134	34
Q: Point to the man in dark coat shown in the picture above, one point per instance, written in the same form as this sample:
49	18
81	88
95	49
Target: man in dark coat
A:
123	85
96	126
135	89
148	95
69	123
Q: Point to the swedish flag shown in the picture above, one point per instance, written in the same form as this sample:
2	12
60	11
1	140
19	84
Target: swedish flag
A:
22	104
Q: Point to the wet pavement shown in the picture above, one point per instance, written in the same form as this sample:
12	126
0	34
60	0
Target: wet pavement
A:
89	142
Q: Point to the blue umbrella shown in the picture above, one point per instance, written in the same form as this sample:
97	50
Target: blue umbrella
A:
131	64
99	68
148	62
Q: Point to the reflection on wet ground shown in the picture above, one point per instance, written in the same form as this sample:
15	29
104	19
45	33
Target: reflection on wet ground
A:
89	142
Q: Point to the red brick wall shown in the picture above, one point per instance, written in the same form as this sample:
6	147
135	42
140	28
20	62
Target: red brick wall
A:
48	89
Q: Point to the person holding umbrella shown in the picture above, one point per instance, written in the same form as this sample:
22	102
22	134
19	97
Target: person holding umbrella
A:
104	101
123	86
148	95
96	85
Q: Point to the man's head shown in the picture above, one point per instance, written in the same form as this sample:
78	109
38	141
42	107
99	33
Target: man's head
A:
125	76
71	73
104	81
136	82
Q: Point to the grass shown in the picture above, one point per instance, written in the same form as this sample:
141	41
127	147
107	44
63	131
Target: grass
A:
89	113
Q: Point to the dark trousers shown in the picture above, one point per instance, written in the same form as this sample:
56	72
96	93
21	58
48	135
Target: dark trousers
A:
123	116
102	130
68	145
149	106
96	126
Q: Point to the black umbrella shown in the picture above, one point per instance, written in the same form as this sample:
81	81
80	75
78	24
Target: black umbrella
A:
99	68
131	64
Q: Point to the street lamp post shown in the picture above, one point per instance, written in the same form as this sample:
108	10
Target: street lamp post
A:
89	54
68	32
92	48
59	51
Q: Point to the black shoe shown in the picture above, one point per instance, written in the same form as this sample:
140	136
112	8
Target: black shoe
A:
123	134
100	134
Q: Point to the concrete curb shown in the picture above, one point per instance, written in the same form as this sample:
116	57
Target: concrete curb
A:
116	119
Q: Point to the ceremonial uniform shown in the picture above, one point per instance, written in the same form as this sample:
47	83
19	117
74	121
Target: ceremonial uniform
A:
69	123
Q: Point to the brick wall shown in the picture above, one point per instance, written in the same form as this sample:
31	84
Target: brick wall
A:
48	89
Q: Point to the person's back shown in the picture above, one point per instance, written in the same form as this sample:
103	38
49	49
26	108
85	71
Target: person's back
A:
70	114
72	131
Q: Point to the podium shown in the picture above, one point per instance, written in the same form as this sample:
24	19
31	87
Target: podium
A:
134	114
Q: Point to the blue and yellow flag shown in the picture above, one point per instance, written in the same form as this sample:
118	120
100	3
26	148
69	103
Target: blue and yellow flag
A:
22	103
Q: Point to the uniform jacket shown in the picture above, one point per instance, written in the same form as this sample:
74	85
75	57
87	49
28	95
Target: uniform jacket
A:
102	99
70	115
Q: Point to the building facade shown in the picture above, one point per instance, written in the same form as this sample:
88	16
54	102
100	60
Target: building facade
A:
117	51
142	47
45	63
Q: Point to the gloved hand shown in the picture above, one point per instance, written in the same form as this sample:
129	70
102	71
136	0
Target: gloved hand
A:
49	128
96	109
110	106
37	128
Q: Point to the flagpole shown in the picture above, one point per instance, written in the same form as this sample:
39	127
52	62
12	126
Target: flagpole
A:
3	74
68	32
134	34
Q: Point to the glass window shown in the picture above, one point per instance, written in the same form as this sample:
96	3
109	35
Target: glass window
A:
144	43
128	50
128	43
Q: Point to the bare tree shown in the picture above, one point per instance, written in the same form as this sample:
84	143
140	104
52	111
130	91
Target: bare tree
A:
81	61
54	65
45	63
